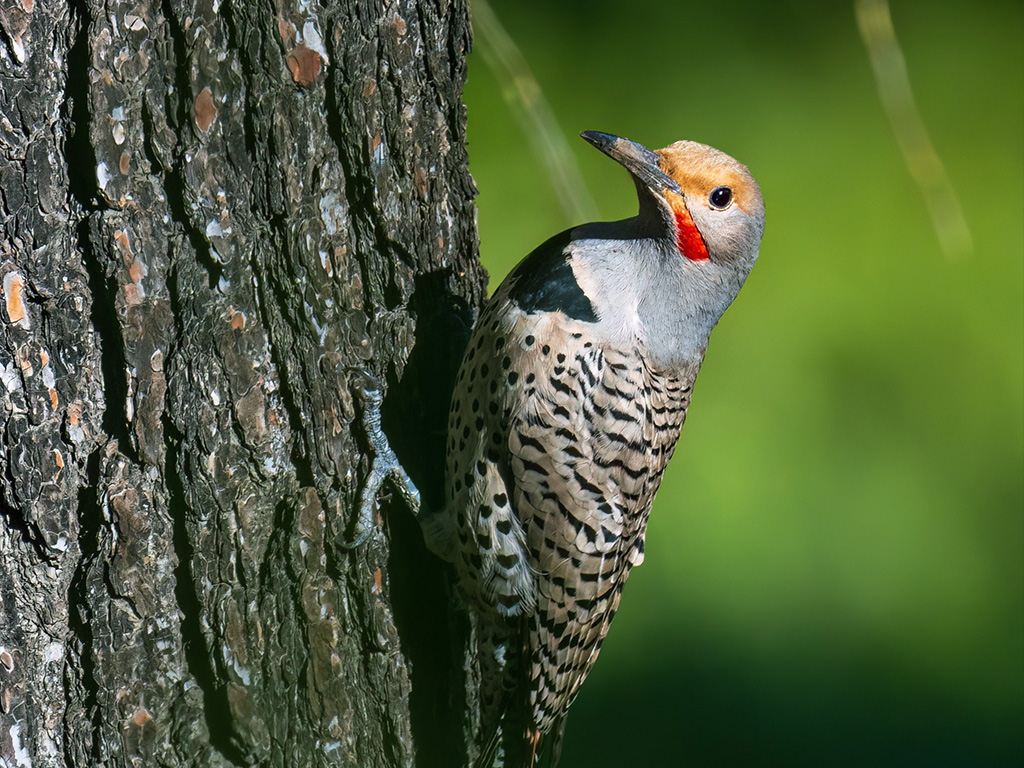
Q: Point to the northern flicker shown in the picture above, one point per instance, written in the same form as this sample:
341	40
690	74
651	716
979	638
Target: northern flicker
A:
566	410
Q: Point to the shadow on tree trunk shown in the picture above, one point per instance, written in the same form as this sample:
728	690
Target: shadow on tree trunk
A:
431	621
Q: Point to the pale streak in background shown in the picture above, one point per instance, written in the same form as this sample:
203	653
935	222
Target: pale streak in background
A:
875	23
524	96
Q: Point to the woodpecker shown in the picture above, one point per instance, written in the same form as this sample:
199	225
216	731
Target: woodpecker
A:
566	410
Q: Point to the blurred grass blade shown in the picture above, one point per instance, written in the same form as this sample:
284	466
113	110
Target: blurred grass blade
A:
523	94
875	23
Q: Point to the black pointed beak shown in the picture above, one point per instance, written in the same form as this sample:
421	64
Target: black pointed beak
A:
635	158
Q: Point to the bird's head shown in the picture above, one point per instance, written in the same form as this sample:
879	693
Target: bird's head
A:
703	214
701	199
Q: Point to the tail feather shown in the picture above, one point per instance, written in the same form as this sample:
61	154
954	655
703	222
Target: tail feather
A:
529	749
511	741
549	748
489	754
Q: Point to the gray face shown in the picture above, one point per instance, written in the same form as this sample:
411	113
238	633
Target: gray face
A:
666	276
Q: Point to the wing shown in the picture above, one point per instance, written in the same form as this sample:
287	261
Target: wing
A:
480	531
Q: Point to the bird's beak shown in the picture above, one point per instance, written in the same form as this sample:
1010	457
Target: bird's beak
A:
635	158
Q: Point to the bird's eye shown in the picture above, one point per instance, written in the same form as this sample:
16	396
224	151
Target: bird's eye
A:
720	197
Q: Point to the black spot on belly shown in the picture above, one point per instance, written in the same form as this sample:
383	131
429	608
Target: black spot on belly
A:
508	561
544	282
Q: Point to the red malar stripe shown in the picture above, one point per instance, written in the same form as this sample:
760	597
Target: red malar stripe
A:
688	238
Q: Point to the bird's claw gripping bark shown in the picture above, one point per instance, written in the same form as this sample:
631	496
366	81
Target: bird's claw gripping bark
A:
384	464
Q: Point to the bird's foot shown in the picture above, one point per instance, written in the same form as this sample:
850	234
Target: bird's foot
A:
384	464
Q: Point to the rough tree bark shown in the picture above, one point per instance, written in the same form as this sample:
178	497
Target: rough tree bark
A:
214	216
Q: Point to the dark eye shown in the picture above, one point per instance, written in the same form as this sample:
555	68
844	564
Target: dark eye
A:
720	197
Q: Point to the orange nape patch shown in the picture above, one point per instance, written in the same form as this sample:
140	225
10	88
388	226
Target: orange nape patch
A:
688	237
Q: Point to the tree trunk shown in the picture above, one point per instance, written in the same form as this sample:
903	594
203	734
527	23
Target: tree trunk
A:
215	216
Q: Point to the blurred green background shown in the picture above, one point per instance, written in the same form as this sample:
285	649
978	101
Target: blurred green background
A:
835	562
